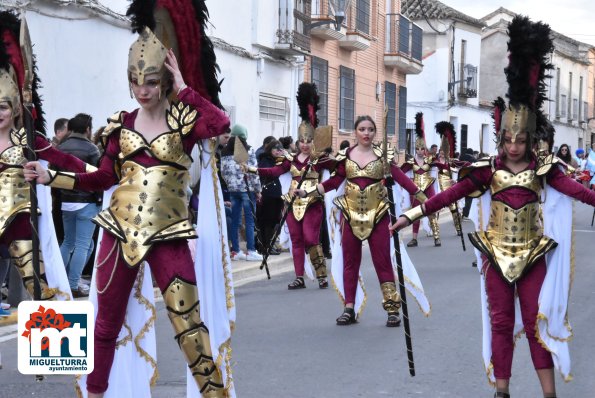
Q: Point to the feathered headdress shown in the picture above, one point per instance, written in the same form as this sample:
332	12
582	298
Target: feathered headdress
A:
179	25
529	47
307	99
420	140
448	138
12	71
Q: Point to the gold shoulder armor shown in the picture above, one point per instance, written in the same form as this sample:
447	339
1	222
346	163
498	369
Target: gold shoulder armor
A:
342	155
181	117
287	156
114	123
409	159
377	150
545	164
19	137
464	171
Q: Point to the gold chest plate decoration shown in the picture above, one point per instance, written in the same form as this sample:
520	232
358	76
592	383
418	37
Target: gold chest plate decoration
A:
300	205
423	181
166	147
14	190
514	239
149	205
363	208
444	179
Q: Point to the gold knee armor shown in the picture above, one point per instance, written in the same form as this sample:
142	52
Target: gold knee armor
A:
21	252
181	300
318	261
391	300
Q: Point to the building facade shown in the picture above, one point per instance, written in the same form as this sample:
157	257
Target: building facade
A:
360	65
448	89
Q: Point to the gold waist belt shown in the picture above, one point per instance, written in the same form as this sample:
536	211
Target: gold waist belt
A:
149	205
301	205
514	239
423	181
363	208
14	196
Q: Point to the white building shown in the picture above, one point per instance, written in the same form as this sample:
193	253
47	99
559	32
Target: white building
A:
447	88
260	52
567	108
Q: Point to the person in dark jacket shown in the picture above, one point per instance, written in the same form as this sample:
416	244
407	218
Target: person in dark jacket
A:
78	207
268	211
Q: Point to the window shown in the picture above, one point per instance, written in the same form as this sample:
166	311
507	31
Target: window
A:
569	105
562	106
362	16
558	108
346	98
402	117
463	137
575	109
319	75
272	107
585	111
390	102
580	100
404	34
416	42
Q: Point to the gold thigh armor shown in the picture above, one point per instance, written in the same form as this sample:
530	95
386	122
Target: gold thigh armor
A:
318	261
514	240
14	195
391	300
149	205
181	300
363	208
21	252
300	205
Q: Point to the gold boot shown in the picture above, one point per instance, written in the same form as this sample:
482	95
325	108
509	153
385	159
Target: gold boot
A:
456	218
435	229
21	252
181	300
391	302
319	264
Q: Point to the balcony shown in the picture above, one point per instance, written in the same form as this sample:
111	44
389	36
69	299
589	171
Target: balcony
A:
403	48
292	34
321	13
354	41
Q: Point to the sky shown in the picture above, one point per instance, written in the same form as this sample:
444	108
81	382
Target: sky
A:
572	18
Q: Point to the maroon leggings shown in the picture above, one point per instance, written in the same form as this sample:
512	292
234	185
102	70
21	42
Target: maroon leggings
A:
167	261
379	242
414	202
304	234
501	304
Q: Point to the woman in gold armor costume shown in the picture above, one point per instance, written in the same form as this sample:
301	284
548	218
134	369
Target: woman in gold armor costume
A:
364	210
147	154
305	215
15	208
522	198
421	166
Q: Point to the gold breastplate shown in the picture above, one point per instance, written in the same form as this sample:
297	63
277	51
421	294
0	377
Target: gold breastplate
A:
445	180
514	238
300	205
363	208
166	147
13	156
149	205
374	169
14	190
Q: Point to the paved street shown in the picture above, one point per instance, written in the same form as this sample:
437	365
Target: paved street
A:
286	343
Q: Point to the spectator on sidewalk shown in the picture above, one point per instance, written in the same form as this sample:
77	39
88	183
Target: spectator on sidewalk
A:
260	150
78	207
60	132
244	190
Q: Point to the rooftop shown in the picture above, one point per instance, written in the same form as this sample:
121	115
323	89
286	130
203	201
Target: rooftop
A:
433	9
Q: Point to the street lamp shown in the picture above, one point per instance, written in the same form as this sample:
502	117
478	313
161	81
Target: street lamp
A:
337	8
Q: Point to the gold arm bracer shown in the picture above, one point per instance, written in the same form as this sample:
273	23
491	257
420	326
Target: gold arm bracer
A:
414	214
420	196
61	179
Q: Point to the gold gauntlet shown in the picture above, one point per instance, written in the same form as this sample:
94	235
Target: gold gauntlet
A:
252	169
181	300
420	196
21	252
62	180
318	261
391	300
414	214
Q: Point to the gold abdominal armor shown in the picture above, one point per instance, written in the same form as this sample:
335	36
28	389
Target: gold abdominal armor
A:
514	239
149	205
300	205
363	208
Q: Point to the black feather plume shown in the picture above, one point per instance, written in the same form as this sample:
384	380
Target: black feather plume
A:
419	125
307	99
141	15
